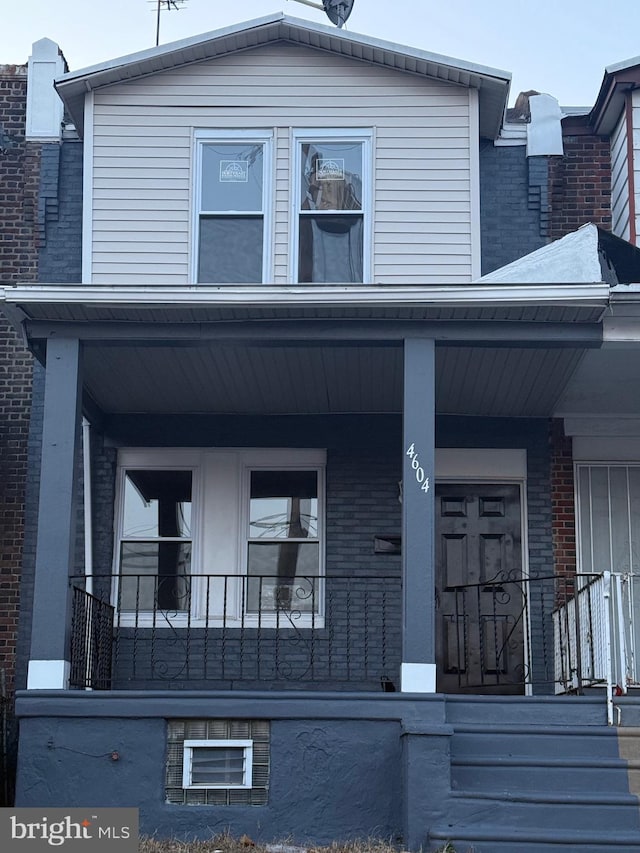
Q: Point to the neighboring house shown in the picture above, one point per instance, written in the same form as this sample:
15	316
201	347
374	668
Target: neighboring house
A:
28	212
320	583
18	255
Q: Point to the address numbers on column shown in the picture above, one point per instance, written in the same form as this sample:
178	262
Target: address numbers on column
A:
422	480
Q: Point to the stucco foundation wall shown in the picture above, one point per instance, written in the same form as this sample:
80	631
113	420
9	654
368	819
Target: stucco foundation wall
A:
329	779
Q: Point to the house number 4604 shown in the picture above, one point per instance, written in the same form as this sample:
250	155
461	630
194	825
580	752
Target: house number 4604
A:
422	480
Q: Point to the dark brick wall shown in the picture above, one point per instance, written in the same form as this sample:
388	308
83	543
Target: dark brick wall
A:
580	184
363	468
19	175
513	204
60	209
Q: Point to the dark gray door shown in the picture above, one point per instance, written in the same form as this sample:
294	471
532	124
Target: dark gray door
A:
480	611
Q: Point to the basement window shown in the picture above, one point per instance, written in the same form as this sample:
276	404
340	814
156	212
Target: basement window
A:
217	764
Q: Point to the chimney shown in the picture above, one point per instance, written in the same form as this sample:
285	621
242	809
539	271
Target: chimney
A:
44	107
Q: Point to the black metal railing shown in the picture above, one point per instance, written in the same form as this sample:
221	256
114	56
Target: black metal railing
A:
510	634
503	635
92	623
496	636
230	631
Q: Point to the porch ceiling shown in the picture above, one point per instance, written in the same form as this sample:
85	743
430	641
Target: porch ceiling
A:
504	350
320	379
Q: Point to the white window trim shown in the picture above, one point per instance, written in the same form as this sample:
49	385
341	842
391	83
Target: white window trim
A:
178	460
265	138
232	499
296	460
187	765
363	135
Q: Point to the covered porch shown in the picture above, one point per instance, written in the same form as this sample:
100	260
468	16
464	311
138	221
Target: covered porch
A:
412	407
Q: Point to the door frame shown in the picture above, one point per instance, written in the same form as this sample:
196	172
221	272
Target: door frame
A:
499	466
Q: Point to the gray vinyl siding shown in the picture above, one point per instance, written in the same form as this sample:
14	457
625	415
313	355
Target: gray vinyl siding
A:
422	183
620	180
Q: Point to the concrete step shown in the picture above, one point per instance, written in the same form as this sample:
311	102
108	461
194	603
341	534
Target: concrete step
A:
566	811
536	741
526	774
526	710
508	840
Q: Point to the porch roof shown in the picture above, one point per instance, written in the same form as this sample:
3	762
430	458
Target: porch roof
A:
504	350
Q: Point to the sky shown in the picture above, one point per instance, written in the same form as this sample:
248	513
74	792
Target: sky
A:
556	46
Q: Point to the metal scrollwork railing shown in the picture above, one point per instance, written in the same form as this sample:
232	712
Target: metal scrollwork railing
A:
232	631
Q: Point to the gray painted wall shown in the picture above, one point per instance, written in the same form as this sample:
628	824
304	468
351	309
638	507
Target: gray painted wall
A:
329	778
59	260
363	468
491	773
514	205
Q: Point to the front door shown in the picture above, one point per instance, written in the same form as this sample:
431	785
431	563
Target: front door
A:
480	611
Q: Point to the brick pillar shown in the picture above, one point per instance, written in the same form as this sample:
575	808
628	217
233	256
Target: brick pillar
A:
563	510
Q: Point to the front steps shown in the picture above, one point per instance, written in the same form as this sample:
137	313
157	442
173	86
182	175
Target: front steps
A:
539	775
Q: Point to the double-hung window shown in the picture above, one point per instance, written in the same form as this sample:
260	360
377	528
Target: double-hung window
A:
154	552
331	194
232	231
219	535
283	545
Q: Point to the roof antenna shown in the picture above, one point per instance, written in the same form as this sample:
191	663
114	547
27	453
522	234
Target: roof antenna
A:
336	10
166	5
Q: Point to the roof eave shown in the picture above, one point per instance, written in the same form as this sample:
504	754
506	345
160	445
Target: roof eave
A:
493	84
575	294
617	81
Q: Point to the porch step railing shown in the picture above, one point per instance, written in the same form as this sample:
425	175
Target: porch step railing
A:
594	636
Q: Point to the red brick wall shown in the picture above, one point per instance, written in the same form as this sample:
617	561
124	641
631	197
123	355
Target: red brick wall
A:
19	176
580	184
563	509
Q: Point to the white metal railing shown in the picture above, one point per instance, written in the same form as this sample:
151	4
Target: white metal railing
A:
594	636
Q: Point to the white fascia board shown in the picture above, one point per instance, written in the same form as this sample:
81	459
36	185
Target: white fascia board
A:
621	325
596	295
625	293
484	71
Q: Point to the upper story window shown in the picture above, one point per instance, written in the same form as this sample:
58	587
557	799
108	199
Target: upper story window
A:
232	231
332	200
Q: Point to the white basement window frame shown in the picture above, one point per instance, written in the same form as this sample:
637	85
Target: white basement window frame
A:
192	749
232	192
328	158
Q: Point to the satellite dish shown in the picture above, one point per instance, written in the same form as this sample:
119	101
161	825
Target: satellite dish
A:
338	10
